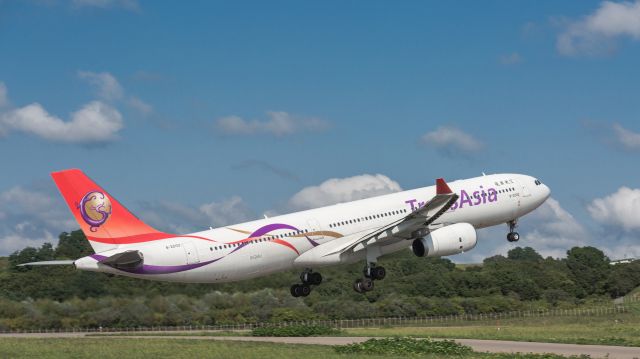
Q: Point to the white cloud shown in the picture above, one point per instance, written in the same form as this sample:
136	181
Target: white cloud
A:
555	230
452	141
511	59
337	190
142	107
104	4
107	85
618	209
96	122
4	99
30	216
279	124
178	218
595	33
628	139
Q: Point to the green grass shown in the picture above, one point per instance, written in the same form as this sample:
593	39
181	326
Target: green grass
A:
623	330
119	348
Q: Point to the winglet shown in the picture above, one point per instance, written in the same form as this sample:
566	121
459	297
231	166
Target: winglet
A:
442	187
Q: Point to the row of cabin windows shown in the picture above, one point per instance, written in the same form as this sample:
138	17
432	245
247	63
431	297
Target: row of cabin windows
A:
258	240
511	189
367	218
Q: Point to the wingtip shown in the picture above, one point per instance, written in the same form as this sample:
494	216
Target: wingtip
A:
442	187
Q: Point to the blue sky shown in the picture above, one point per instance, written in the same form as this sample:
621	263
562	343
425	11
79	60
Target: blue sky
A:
215	112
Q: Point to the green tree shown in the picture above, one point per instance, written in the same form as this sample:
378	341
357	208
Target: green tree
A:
589	268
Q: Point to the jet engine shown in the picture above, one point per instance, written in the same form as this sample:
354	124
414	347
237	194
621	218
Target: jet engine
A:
446	241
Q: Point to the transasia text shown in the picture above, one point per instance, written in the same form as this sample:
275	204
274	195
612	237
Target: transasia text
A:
481	196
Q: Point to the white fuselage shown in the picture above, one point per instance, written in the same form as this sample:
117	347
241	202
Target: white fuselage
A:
257	248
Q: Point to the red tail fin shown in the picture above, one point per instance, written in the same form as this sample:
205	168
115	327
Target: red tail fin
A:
105	222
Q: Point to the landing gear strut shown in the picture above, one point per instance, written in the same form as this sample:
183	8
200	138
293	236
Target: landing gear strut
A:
513	236
370	273
308	278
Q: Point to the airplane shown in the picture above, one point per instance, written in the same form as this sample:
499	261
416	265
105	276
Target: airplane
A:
434	221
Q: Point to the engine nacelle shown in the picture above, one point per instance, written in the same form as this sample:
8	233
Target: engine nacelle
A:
446	241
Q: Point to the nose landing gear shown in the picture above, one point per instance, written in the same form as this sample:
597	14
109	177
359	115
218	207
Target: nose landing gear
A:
513	236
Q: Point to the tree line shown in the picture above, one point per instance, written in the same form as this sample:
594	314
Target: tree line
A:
57	297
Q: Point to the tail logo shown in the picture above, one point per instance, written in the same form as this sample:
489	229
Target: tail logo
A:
95	209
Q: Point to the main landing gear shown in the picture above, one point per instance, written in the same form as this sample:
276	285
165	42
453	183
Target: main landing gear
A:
513	236
370	273
308	278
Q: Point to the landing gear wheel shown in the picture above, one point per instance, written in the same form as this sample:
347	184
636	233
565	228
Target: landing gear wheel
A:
315	278
300	290
378	273
513	237
295	290
357	286
362	285
367	284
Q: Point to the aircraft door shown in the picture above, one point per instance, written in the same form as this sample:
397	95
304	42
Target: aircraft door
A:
191	253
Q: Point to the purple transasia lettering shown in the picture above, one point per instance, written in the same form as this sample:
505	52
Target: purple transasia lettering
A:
476	198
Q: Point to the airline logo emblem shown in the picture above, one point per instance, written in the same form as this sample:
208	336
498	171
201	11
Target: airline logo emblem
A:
95	209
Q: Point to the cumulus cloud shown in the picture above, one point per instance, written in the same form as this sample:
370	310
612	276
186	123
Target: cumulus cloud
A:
107	86
30	216
337	190
179	218
618	209
452	141
105	4
96	122
511	59
596	33
278	124
109	89
4	99
554	230
627	138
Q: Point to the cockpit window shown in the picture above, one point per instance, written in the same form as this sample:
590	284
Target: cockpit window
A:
538	182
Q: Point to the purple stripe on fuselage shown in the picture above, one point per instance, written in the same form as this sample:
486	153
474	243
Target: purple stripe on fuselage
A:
271	227
155	269
275	226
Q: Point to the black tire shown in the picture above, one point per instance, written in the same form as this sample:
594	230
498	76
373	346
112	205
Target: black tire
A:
305	290
316	278
379	273
357	286
295	291
366	284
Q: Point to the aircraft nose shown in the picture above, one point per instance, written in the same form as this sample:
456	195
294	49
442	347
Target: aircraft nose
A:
546	191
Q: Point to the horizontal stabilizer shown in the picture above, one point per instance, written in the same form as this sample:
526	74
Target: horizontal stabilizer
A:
48	263
129	260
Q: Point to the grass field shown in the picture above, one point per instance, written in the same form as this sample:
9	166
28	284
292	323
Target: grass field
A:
622	329
119	348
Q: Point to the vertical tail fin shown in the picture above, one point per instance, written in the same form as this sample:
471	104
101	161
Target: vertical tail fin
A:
105	222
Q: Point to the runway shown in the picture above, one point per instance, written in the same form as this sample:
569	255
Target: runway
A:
494	346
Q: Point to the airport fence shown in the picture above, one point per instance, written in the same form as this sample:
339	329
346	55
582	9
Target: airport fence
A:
442	320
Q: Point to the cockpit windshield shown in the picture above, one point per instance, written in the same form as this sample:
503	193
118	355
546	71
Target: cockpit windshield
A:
538	182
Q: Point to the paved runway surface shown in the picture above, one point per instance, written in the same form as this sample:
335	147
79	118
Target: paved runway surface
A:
495	346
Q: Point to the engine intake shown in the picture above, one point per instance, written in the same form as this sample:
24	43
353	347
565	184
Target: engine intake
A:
446	241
